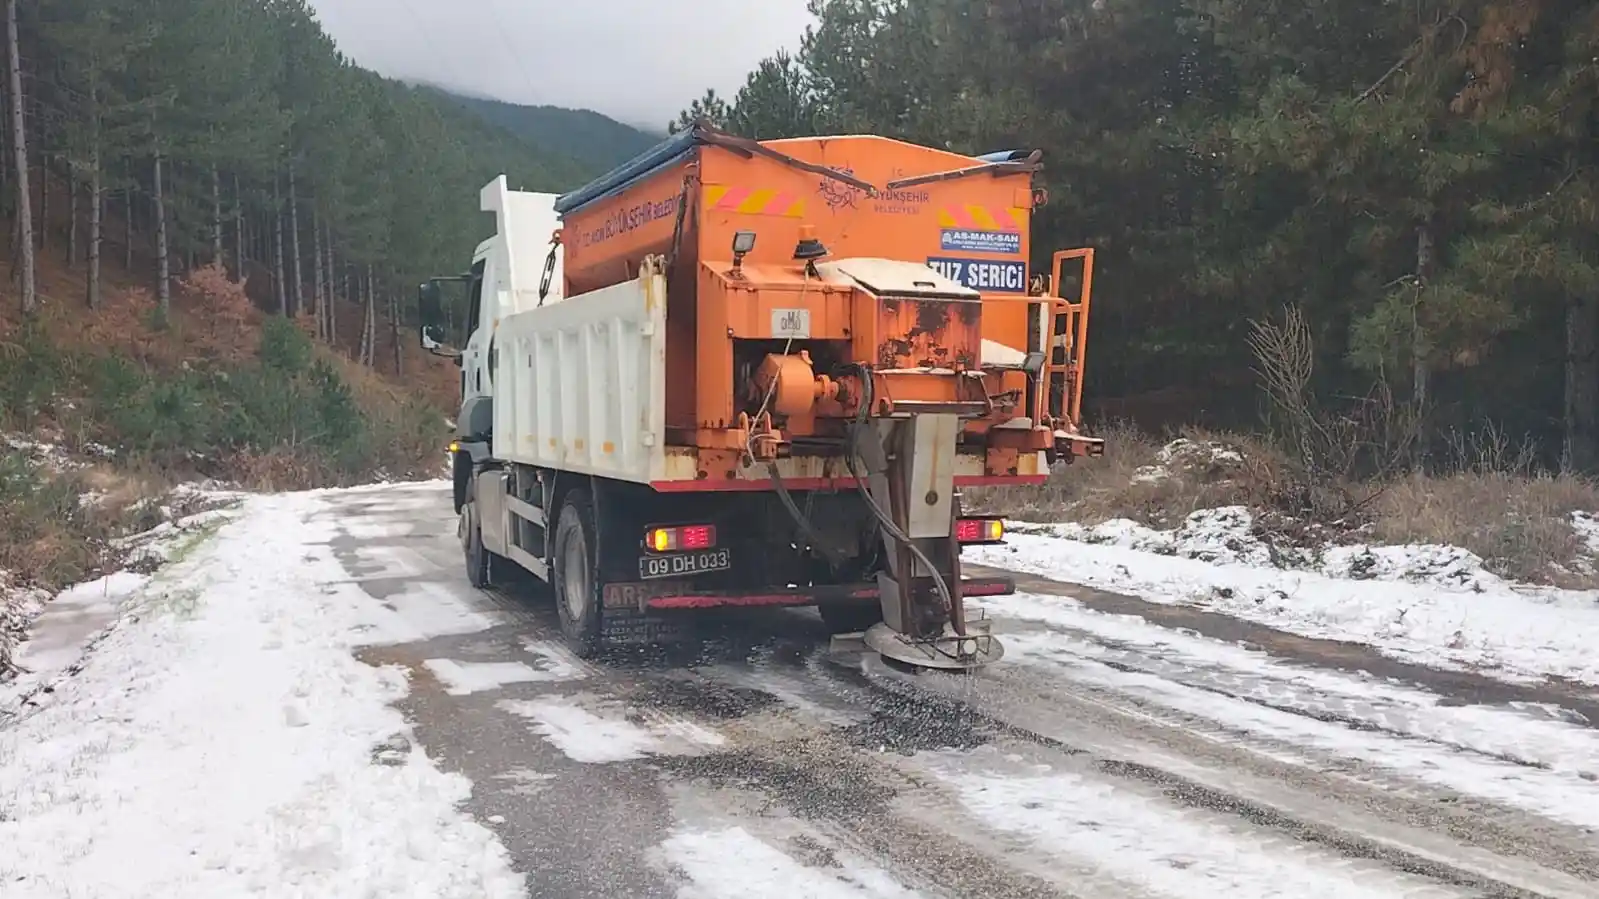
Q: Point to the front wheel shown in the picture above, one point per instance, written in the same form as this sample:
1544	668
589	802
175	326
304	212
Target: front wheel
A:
479	561
576	575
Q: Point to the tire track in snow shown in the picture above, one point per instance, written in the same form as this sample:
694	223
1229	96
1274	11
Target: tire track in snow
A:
1416	765
890	797
1514	733
756	760
1497	762
1145	842
861	779
1197	770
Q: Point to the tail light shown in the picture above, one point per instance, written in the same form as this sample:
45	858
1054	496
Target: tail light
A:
682	537
980	530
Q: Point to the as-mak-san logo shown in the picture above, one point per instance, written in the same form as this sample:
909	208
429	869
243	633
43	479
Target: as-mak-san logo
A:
974	241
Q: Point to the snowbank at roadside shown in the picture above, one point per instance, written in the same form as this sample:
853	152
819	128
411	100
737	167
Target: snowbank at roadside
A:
107	500
55	631
222	740
1432	604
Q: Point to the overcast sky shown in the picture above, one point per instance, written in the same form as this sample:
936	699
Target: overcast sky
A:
635	60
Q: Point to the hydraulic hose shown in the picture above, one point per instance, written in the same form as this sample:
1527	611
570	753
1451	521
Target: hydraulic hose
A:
807	530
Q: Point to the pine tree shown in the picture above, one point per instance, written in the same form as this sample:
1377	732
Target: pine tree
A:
19	148
93	42
776	101
710	108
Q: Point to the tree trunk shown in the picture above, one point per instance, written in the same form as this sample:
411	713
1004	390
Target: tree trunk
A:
333	288
72	219
127	230
317	296
360	298
216	216
277	249
394	331
1581	450
163	265
333	295
5	170
19	148
298	293
333	321
44	183
369	356
96	224
324	252
361	285
371	318
1420	346
238	231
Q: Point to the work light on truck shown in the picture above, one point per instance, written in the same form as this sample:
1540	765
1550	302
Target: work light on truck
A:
743	243
980	530
683	537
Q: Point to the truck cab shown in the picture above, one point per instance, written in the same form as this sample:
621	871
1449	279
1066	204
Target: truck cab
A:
527	228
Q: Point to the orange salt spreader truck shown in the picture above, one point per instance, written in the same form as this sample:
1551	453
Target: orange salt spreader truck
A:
732	373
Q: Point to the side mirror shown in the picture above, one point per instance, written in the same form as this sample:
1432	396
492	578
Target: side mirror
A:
430	307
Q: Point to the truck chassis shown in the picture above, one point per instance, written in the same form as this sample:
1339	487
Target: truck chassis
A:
586	537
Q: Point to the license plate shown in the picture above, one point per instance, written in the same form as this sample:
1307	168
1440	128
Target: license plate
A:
680	564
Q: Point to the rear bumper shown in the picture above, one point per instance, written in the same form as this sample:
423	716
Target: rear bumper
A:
665	597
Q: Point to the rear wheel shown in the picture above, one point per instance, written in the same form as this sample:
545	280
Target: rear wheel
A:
576	574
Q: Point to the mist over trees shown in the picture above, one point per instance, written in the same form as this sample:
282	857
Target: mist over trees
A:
1407	191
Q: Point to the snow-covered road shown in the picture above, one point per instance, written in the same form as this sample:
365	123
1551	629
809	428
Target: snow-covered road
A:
314	704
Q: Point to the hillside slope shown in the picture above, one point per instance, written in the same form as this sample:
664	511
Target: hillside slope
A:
161	138
104	412
597	142
532	149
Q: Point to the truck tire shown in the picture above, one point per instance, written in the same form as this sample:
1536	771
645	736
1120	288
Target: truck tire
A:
576	574
479	561
849	617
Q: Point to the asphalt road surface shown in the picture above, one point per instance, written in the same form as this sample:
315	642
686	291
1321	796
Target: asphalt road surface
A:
1120	750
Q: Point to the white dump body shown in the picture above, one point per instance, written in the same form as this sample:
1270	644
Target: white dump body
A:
581	385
